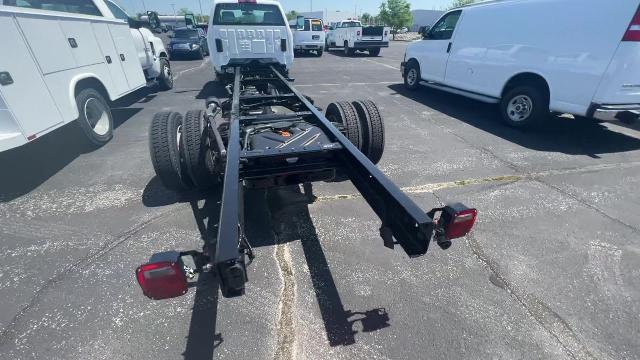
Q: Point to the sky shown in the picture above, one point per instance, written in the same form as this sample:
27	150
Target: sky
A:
370	6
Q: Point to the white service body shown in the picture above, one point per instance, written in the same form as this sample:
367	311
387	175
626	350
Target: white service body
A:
351	34
574	45
39	55
234	38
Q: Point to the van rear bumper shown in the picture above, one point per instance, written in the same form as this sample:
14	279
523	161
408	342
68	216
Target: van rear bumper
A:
627	113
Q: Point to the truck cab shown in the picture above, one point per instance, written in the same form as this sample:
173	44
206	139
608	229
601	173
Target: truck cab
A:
249	31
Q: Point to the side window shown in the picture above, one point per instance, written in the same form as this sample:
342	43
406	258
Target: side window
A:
85	7
116	11
307	25
443	29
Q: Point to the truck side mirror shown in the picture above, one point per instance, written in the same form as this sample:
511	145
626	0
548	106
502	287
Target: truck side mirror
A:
190	20
300	22
154	20
424	31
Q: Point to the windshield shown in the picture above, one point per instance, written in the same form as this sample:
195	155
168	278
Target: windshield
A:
248	14
185	34
313	25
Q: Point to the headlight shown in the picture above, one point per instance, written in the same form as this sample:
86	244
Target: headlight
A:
194	46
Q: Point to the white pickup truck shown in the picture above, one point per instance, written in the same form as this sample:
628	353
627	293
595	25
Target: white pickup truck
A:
351	36
66	60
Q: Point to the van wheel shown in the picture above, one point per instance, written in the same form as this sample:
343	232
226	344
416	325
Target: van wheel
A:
412	75
374	52
165	79
200	54
95	120
524	106
165	140
319	53
347	50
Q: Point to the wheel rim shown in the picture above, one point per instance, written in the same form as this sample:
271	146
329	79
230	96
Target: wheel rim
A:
97	116
412	76
167	74
520	108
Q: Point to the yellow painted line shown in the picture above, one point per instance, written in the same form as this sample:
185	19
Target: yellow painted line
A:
429	188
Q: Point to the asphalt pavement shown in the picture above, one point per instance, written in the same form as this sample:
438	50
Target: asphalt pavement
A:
549	272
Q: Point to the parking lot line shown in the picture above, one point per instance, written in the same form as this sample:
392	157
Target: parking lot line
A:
383	64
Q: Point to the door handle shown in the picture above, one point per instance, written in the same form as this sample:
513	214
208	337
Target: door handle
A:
122	57
73	43
5	78
108	58
449	48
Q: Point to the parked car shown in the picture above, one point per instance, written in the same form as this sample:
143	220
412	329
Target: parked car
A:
308	35
229	23
535	56
189	42
65	62
351	36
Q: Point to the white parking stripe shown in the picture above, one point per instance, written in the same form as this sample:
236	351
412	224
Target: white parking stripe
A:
379	63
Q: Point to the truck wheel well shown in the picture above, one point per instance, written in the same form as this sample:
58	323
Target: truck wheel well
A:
92	83
529	79
163	55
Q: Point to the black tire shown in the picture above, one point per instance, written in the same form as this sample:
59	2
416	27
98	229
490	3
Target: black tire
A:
372	129
343	112
164	150
319	53
200	54
95	120
412	75
198	159
533	102
347	50
374	52
165	79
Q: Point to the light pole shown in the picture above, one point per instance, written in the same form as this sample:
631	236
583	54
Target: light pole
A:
201	13
311	5
175	18
144	6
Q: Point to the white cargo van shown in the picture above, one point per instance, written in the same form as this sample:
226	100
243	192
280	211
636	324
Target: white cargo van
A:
245	31
308	35
63	60
580	57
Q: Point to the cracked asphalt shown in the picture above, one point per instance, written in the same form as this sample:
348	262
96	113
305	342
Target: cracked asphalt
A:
549	272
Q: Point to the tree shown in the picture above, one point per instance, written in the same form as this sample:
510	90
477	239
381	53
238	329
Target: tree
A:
184	11
397	14
459	3
292	15
366	18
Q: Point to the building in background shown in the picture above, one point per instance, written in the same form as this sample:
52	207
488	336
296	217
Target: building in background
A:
424	17
328	16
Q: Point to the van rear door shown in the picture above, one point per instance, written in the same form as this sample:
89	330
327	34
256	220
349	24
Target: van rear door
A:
620	84
311	36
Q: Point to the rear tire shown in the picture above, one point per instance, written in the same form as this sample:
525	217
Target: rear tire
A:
198	158
412	75
200	54
372	129
524	106
344	113
374	52
95	120
165	152
319	53
347	50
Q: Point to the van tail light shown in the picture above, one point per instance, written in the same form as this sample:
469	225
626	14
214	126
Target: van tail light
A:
162	280
633	32
386	33
455	221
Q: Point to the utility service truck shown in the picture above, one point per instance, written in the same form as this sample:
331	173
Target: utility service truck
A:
351	36
64	61
267	134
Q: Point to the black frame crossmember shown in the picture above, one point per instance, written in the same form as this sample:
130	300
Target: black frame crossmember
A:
402	219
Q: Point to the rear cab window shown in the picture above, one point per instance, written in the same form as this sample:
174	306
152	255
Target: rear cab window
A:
313	25
248	14
84	7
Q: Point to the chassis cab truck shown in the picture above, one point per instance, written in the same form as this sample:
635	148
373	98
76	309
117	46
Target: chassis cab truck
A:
268	135
67	60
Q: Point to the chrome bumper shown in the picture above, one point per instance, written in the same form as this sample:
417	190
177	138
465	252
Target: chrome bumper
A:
627	113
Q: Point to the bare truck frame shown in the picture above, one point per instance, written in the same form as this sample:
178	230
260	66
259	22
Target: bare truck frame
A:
266	135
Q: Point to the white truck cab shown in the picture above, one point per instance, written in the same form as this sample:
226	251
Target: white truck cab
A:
308	35
351	36
65	61
246	31
555	59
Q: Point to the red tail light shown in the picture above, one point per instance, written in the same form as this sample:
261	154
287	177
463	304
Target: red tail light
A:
162	280
633	32
457	220
386	33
